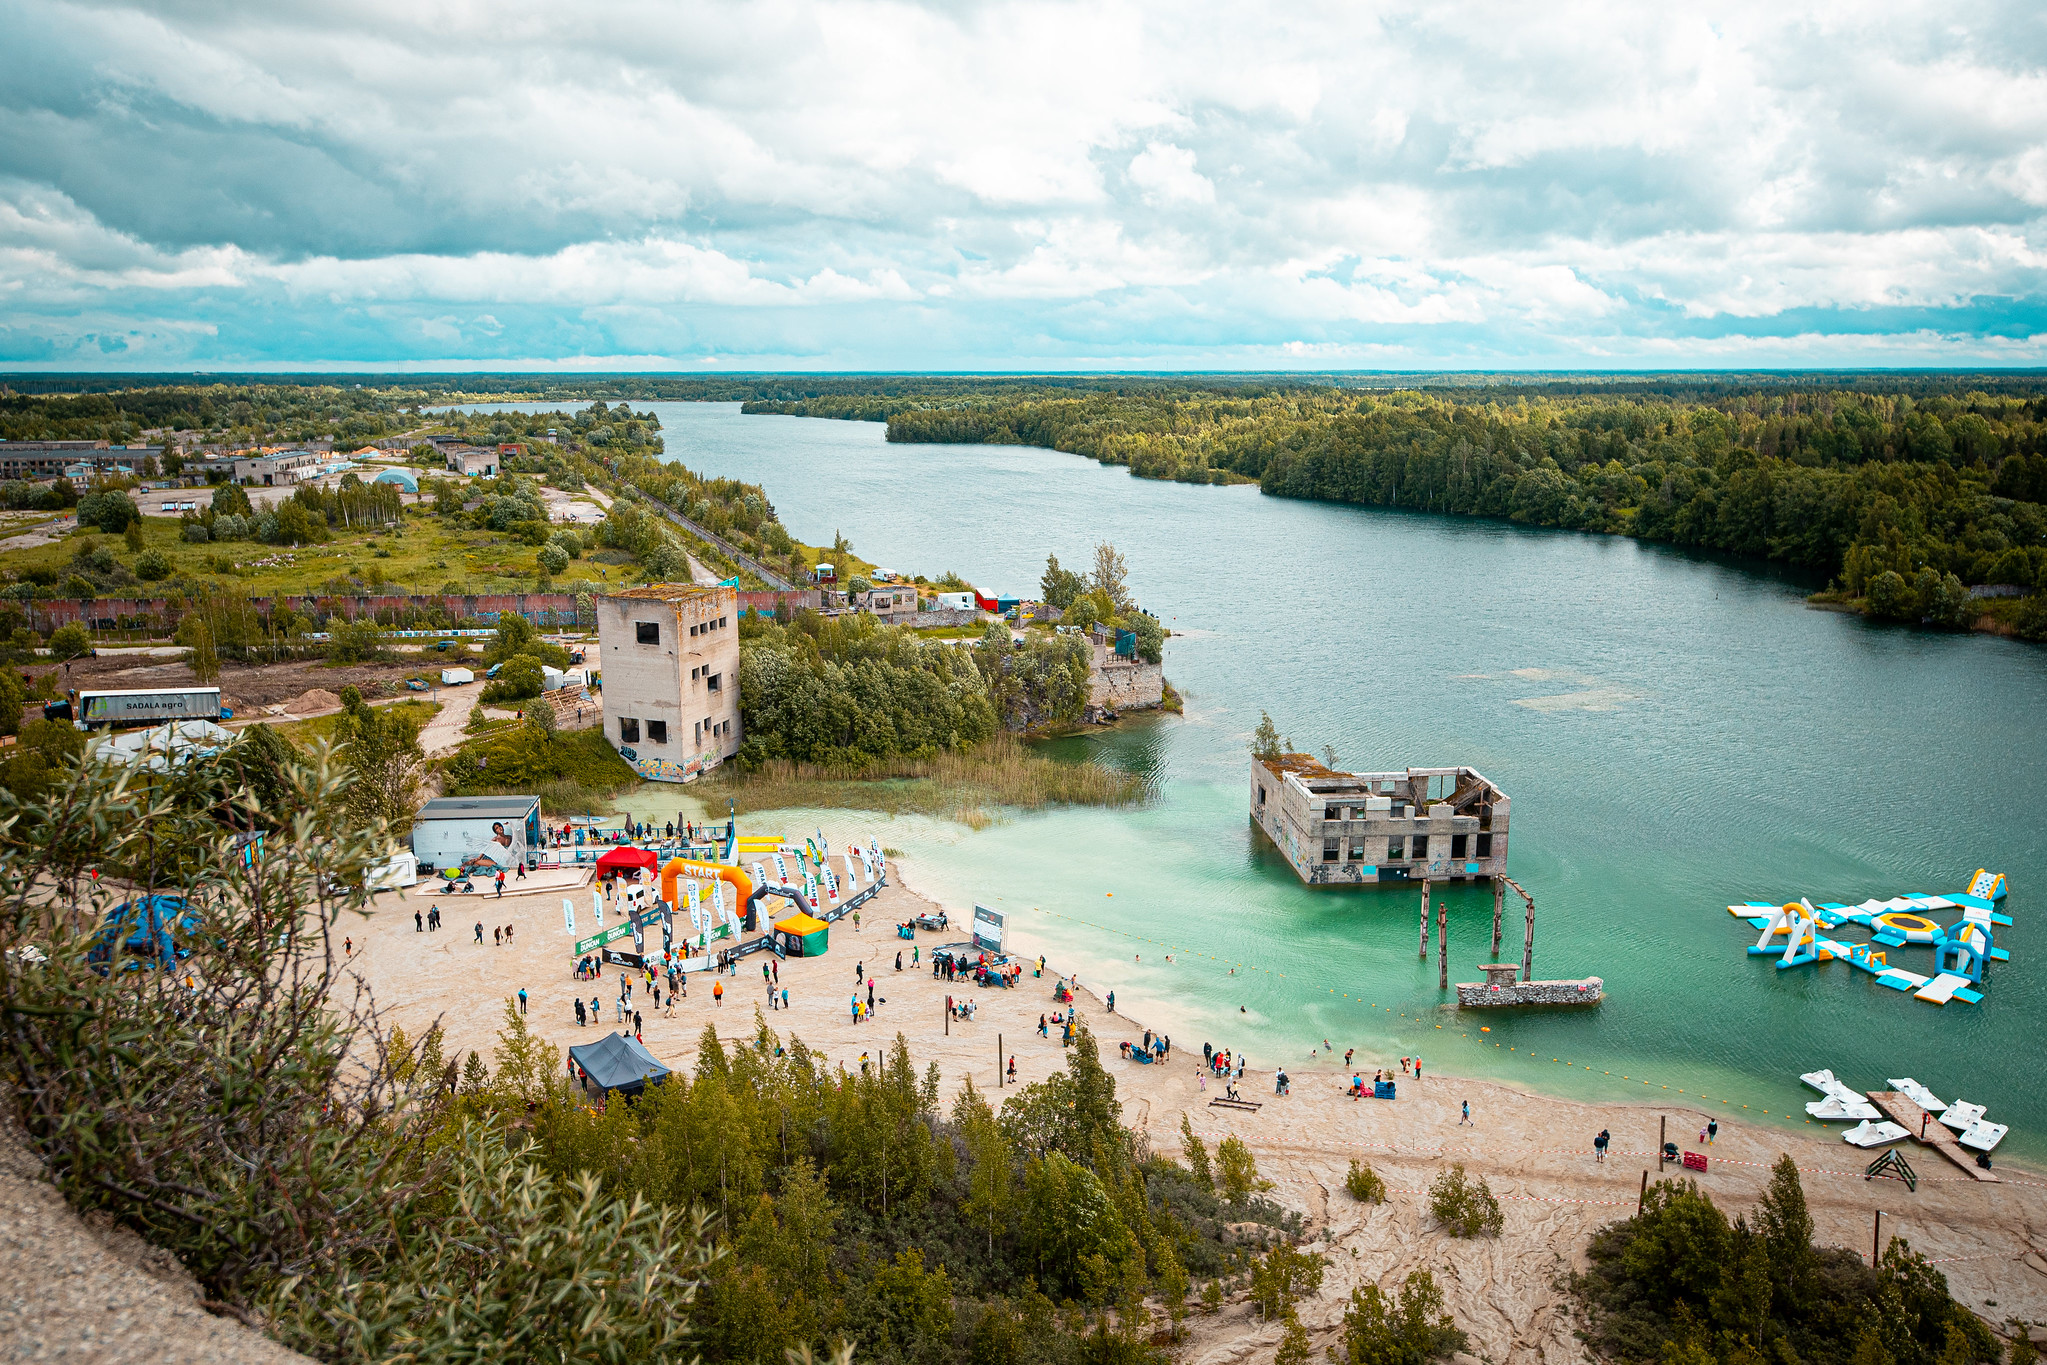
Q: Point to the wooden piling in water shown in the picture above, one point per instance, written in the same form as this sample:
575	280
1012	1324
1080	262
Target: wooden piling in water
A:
1499	904
1425	920
1443	945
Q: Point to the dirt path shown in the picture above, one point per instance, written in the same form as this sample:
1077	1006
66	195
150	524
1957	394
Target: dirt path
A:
443	734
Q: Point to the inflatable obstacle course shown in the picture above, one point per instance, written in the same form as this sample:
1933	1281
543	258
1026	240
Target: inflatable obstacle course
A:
1800	933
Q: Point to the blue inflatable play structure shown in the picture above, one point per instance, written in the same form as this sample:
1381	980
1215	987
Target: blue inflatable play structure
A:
1797	934
144	933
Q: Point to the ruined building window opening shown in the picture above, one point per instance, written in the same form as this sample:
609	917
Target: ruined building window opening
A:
628	730
1485	846
647	632
1421	846
1457	843
657	732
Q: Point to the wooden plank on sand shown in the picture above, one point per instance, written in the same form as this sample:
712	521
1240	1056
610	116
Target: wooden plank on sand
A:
1248	1106
1927	1128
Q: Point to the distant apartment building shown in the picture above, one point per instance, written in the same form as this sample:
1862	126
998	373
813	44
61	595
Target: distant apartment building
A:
1337	828
670	659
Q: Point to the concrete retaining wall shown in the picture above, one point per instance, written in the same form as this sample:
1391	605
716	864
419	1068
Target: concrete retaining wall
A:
1125	686
1584	991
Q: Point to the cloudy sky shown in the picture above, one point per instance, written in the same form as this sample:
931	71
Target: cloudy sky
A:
829	184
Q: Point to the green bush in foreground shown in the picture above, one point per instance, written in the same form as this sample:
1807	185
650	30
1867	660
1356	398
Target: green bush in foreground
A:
1364	1183
1465	1207
1679	1283
1408	1327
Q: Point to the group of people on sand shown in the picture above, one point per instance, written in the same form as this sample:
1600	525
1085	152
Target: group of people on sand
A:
1154	1046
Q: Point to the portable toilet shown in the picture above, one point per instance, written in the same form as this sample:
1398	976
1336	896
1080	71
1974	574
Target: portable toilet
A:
801	935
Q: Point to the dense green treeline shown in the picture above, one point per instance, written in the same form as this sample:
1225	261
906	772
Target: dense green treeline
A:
846	690
1843	483
858	1205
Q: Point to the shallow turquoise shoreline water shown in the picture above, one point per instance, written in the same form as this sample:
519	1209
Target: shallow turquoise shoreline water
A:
1677	732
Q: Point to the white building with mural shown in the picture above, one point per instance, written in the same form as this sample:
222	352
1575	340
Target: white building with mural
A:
670	660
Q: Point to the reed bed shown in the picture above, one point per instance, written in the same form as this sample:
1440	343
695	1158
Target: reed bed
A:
1002	773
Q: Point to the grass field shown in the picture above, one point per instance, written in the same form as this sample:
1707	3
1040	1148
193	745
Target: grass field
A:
306	733
424	555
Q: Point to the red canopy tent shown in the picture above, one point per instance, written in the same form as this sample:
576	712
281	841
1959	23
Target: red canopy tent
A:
623	859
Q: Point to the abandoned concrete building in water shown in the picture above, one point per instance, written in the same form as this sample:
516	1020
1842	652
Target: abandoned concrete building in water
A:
1345	829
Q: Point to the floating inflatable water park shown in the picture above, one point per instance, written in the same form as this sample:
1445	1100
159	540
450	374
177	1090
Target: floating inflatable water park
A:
1796	933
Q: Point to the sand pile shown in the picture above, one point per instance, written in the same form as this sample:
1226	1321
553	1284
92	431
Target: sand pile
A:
306	703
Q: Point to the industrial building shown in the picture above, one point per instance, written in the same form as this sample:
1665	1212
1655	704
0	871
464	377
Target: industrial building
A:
1349	829
669	654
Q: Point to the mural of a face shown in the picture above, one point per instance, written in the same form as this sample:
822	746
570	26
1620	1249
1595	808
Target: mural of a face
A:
498	835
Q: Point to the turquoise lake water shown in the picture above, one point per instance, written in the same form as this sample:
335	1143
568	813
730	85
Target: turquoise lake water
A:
1677	732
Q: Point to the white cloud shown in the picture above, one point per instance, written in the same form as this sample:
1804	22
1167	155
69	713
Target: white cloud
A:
1126	177
1166	175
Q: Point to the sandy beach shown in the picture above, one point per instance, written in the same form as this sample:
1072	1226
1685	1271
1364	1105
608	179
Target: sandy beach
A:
1535	1150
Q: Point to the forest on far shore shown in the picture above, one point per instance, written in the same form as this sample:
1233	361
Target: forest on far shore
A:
1905	498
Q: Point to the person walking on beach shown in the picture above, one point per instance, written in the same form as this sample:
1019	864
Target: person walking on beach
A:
1599	1145
870	999
479	931
1112	1002
777	968
522	999
718	993
497	938
579	1012
501	886
859	972
1012	1068
1712	1131
418	922
785	997
899	959
1465	1122
1417	1067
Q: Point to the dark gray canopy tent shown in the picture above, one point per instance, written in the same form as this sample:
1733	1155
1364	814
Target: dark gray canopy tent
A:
618	1063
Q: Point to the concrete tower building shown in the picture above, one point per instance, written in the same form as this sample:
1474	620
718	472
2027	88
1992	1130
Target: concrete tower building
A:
669	653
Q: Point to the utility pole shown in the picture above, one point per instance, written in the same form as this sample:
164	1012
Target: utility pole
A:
1662	1136
1425	920
999	1082
1876	1239
1643	1194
